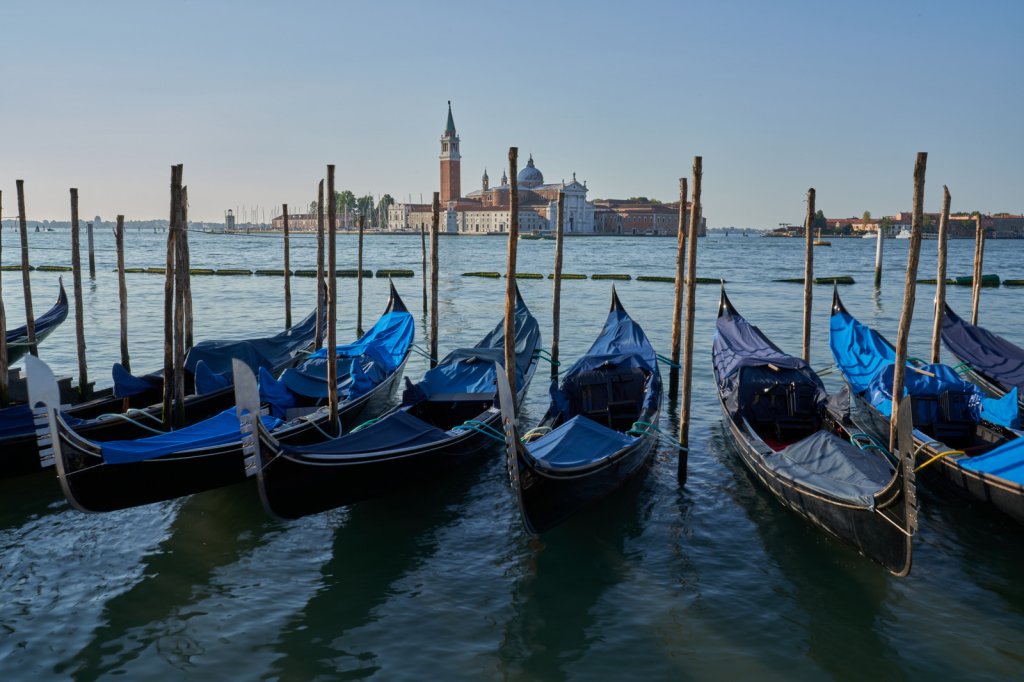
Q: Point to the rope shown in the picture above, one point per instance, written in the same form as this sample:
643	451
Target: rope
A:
481	427
962	368
126	418
535	432
825	371
419	351
366	423
668	360
545	355
648	429
938	457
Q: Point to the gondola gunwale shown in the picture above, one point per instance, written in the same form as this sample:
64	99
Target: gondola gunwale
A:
813	504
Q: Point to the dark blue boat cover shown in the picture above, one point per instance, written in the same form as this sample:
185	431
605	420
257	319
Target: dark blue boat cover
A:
16	421
361	365
833	466
17	338
989	354
270	352
867	360
221	429
398	430
471	370
578	442
1006	462
739	345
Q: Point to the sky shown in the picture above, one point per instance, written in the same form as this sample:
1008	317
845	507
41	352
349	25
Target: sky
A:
255	98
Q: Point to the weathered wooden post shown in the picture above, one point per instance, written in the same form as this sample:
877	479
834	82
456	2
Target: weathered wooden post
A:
556	298
878	256
186	266
691	308
359	278
808	272
3	325
76	278
92	251
320	288
122	292
940	278
287	273
434	229
677	303
510	270
910	288
168	392
423	247
979	257
332	313
30	318
180	277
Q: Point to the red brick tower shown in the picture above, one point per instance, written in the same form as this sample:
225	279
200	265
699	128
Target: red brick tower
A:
451	171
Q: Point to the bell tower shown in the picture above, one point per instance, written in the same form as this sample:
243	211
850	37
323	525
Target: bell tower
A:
451	160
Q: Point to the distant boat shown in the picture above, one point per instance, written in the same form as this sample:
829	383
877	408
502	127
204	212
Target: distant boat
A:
870	235
820	242
904	234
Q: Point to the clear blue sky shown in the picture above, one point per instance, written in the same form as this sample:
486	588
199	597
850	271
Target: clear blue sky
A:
256	97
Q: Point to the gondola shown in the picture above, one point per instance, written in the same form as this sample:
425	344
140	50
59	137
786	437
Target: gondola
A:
130	409
108	475
990	361
963	440
799	443
599	431
446	419
17	338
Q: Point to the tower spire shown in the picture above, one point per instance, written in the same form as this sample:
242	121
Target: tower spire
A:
450	128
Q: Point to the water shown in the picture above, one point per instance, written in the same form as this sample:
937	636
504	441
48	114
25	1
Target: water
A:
711	581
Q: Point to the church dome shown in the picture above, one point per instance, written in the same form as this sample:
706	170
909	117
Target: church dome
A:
530	176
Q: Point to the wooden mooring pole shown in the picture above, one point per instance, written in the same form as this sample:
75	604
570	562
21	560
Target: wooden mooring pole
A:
321	298
434	229
808	272
287	273
909	291
878	256
423	247
168	392
76	277
359	278
30	319
979	257
556	296
510	270
180	277
691	307
940	278
677	303
122	292
92	251
332	312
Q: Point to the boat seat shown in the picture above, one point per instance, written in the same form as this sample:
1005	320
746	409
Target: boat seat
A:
611	396
787	410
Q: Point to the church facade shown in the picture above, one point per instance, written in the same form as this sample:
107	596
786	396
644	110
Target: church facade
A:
486	210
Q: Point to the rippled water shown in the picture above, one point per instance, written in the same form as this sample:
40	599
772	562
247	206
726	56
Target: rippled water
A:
709	581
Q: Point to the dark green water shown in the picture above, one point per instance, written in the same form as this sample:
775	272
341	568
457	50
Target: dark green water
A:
711	581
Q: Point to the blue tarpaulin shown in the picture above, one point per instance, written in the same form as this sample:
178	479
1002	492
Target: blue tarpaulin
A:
395	431
577	442
221	429
986	353
1006	462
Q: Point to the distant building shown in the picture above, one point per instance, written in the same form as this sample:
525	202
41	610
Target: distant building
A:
641	217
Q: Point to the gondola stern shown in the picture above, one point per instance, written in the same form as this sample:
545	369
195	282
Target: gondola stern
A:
247	407
616	303
725	306
837	303
395	302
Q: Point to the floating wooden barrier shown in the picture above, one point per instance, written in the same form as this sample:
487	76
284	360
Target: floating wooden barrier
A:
968	281
620	278
229	272
270	273
671	280
135	271
842	279
529	275
156	271
51	268
567	276
305	273
1013	282
355	273
394	273
489	275
199	271
15	268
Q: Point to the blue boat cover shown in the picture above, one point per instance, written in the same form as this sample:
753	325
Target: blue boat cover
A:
471	370
1006	462
208	381
397	430
833	466
578	442
361	365
16	421
989	354
221	429
867	361
127	384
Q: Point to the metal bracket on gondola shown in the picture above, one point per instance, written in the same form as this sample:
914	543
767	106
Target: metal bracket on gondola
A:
44	400
249	410
44	436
